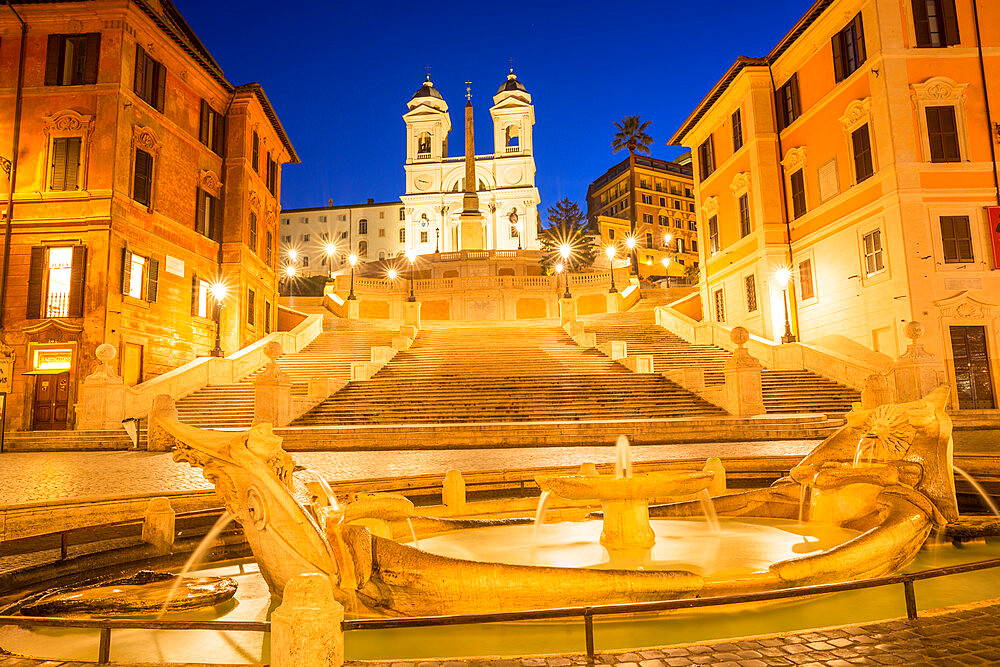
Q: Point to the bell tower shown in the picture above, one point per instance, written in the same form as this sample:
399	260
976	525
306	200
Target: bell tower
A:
513	118
427	125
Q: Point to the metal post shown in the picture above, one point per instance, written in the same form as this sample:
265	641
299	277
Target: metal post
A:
911	599
613	288
351	297
104	651
588	629
437	240
217	350
3	420
566	294
788	337
412	297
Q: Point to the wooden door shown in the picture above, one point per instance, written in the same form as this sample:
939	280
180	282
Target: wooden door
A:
51	407
973	381
132	364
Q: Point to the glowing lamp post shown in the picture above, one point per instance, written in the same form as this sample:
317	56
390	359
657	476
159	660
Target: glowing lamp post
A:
219	290
519	226
565	250
612	252
353	259
293	255
411	255
391	274
330	249
783	275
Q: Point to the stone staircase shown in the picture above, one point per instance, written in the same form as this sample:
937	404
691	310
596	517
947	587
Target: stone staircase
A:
329	355
785	391
69	441
504	373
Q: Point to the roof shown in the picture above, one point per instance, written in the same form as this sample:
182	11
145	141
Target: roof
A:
742	62
258	92
511	84
656	164
427	90
311	209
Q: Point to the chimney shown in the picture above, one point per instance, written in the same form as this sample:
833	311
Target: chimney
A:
371	201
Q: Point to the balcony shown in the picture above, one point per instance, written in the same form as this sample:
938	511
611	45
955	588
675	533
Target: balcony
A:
512	149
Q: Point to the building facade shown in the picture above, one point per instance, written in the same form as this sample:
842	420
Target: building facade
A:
372	231
666	222
859	157
142	176
435	182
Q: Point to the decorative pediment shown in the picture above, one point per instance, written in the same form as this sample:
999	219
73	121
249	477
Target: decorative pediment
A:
254	200
939	89
210	182
146	139
741	183
710	206
964	306
68	122
857	112
795	158
52	330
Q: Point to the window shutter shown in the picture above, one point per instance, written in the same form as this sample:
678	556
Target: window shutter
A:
220	135
217	219
140	70
143	177
126	270
72	173
36	276
152	279
203	126
859	38
58	181
199	216
52	60
77	273
92	58
838	57
256	152
950	22
161	85
796	108
194	294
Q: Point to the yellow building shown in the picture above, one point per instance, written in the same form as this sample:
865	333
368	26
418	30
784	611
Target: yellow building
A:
665	214
861	154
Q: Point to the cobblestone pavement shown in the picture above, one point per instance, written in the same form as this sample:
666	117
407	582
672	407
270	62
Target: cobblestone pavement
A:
952	637
32	477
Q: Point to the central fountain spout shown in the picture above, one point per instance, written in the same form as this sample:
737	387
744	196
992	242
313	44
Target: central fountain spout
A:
625	497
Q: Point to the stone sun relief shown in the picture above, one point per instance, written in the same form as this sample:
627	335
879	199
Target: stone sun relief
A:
872	492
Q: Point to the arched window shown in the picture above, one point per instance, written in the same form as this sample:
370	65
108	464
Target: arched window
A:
363	249
363	226
512	136
424	143
381	254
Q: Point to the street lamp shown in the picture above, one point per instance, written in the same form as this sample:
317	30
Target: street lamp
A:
565	250
632	257
330	249
353	259
783	275
437	240
411	255
293	254
391	274
611	252
518	227
218	290
290	271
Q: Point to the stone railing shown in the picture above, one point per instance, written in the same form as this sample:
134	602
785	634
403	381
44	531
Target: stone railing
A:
105	401
402	283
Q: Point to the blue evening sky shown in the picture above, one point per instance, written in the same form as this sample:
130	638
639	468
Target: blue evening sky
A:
340	73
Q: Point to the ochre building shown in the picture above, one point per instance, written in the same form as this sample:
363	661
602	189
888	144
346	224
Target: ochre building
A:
141	176
860	153
666	224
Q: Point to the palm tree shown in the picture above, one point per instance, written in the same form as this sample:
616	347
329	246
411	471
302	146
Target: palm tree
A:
631	134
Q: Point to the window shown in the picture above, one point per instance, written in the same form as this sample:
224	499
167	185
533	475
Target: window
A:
677	205
72	59
663	202
423	237
402	234
200	297
694	245
150	79
212	130
690	207
363	249
267	317
253	231
861	142
935	23
664	221
286	239
306	238
381	232
678	223
806	289
750	288
140	276
647	218
687	192
611	234
713	233
424	144
644	184
720	305
647	199
305	260
680	245
798	194
255	152
874	259
142	178
786	102
272	174
65	163
942	134
706	159
362	226
649	240
268	252
744	215
956	239
848	49
251	306
737	131
692	225
402	214
322	218
55	282
208	218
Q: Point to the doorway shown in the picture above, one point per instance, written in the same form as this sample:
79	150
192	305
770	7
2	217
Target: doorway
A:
131	364
973	381
51	405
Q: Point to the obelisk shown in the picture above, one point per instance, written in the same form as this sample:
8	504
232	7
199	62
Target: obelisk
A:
470	220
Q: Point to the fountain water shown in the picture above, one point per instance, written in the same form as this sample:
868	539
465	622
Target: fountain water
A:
543	506
413	532
979	489
708	508
197	556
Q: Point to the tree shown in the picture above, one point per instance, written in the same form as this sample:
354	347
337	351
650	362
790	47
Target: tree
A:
631	135
567	224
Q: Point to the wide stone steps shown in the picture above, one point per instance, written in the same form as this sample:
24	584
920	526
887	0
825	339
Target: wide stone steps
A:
76	441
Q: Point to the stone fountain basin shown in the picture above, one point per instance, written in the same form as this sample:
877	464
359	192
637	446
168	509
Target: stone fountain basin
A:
636	487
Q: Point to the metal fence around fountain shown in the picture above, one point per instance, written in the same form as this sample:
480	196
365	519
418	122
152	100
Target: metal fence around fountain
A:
587	613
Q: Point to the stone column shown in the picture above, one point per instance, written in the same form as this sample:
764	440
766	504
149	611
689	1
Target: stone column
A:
453	492
272	391
306	629
158	525
876	392
744	395
916	372
353	309
102	396
567	311
158	439
412	314
614	302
